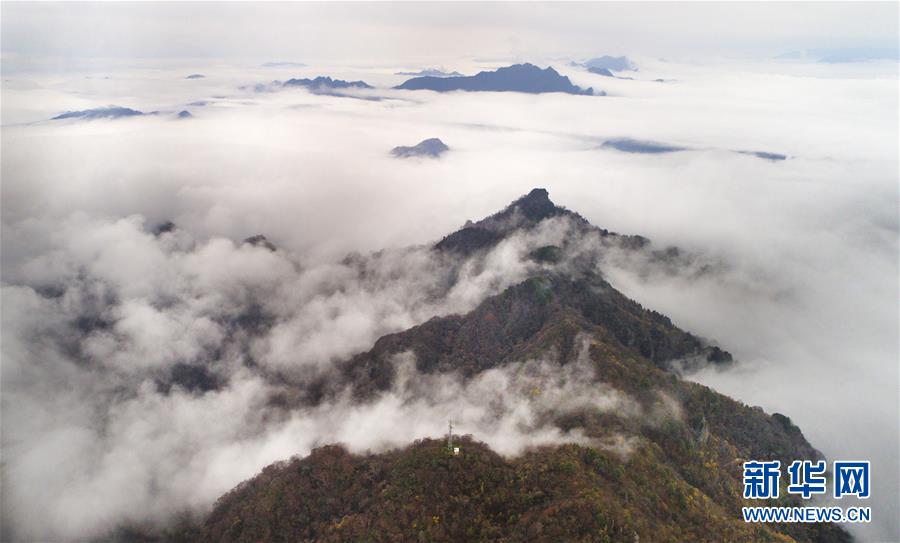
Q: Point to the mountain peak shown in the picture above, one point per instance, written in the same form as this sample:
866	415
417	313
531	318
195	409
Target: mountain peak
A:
526	211
536	205
260	240
432	147
538	193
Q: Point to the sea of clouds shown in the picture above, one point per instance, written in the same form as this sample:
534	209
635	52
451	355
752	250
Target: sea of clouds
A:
97	309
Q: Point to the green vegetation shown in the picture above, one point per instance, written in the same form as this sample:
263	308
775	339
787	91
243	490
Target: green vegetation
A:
424	493
671	473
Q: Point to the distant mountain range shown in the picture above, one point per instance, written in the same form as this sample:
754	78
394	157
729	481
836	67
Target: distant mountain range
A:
526	78
326	84
663	466
110	112
628	145
601	71
608	63
764	155
431	72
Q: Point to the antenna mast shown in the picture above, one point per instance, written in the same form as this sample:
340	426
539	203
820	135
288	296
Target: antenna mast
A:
450	436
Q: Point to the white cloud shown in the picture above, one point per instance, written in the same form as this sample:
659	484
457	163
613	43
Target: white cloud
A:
804	291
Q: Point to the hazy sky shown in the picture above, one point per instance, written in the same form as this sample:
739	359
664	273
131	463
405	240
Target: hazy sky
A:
373	32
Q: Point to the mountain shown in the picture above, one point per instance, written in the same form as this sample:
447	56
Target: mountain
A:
432	147
628	145
326	85
542	314
615	64
431	72
110	112
764	155
260	240
601	71
184	114
551	494
661	463
164	228
526	212
516	78
195	76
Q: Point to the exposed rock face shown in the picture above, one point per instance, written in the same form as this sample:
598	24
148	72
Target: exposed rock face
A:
516	78
432	147
184	114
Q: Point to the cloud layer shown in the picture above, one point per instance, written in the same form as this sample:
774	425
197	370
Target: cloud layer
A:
793	264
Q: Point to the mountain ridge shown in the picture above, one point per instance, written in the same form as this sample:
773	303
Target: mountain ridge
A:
526	78
525	211
325	84
661	463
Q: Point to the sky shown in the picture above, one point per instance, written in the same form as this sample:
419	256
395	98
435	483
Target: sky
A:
374	32
804	290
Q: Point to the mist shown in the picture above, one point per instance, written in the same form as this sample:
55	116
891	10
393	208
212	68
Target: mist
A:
793	265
